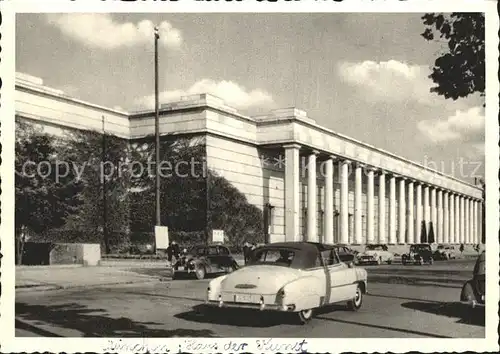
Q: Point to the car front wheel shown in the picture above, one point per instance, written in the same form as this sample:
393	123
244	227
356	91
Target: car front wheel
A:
357	301
200	272
305	316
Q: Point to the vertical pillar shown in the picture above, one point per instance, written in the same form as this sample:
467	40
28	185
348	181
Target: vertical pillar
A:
427	210
446	217
358	185
452	218
440	225
329	201
344	202
480	220
466	220
381	208
462	219
410	223
471	221
392	210
292	206
402	211
370	214
312	203
474	222
477	239
433	212
457	219
418	208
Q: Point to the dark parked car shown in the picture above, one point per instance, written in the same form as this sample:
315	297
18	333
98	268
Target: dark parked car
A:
205	259
419	254
474	291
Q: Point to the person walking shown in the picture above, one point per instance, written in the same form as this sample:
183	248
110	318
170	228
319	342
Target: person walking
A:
246	252
462	248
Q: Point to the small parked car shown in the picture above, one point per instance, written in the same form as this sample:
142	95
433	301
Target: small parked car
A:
375	254
205	259
445	252
418	254
291	277
474	291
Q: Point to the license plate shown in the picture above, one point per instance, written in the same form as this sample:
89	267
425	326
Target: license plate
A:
181	268
245	298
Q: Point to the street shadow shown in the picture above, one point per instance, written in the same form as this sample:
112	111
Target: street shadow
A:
464	313
235	317
94	322
404	280
387	328
402	298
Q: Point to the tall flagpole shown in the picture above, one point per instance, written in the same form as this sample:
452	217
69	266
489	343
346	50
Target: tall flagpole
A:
157	135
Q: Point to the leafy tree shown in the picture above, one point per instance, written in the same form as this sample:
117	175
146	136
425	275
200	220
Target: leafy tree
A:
104	174
45	193
184	197
460	71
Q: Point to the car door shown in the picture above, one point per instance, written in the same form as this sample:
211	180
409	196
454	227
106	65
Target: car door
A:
341	279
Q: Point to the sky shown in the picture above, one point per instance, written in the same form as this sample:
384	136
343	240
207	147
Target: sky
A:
362	75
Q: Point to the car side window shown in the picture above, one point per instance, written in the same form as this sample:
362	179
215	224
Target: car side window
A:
329	257
223	251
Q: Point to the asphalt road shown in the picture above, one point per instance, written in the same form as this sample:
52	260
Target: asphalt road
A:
403	301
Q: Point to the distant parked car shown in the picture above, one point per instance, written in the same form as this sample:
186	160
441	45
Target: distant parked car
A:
418	254
293	277
445	252
474	291
205	259
375	254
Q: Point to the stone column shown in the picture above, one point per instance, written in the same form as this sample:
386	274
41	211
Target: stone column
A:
440	225
329	201
358	209
446	214
433	213
477	239
382	239
392	210
462	219
466	220
471	221
418	208
344	202
402	210
370	212
410	223
312	203
452	218
292	205
427	209
458	220
480	217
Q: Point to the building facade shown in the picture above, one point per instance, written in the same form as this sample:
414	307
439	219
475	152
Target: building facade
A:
313	183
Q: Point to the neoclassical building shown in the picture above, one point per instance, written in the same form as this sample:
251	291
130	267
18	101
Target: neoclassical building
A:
311	182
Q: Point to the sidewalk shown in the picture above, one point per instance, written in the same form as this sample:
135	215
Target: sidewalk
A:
54	278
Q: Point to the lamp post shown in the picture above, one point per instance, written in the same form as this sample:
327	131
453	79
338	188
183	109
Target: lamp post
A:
157	136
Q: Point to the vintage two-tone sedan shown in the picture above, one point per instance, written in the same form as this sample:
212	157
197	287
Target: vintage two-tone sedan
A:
296	277
375	254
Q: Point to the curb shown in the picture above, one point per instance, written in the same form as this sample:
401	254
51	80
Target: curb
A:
34	288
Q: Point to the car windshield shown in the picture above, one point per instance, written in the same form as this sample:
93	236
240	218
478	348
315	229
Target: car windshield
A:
279	257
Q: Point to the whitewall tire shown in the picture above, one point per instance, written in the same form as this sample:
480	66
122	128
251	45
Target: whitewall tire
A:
356	303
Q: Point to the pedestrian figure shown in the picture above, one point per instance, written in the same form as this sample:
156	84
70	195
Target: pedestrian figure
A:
173	250
462	248
246	252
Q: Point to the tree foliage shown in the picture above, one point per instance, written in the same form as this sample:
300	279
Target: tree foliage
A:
460	71
104	175
45	194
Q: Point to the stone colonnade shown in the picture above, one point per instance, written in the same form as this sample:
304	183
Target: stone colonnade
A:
455	217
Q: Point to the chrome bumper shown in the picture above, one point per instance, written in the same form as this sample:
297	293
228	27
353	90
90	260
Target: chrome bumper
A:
473	303
241	305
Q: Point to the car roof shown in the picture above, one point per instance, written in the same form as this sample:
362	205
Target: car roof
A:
306	251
